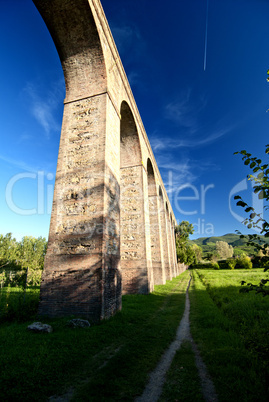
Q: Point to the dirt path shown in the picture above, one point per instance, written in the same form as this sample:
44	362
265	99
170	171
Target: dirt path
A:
154	387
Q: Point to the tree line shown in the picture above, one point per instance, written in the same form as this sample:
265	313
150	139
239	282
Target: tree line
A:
216	254
21	261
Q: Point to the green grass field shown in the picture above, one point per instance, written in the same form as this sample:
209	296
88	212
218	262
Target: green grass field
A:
111	361
231	330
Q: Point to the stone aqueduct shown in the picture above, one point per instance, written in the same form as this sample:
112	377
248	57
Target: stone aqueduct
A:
112	226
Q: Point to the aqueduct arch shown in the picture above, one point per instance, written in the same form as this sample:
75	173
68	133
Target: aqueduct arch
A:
135	266
111	229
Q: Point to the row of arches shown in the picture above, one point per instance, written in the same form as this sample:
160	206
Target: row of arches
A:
112	228
147	246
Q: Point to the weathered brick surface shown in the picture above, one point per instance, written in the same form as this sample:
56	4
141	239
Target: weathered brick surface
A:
112	224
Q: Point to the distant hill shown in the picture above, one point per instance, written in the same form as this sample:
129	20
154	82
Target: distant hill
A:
207	243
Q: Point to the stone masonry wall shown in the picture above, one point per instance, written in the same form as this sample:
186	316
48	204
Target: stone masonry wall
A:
110	230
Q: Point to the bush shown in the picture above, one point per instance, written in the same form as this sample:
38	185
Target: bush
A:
206	265
260	261
223	264
215	265
227	264
243	262
231	263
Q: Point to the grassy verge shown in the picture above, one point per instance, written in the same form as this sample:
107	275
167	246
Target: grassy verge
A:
109	361
231	330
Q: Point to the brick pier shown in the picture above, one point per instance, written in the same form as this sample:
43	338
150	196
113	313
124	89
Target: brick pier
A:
112	225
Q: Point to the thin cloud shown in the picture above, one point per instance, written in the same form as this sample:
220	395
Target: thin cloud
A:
186	112
125	37
160	144
25	138
185	109
133	78
19	164
24	166
43	107
175	174
130	44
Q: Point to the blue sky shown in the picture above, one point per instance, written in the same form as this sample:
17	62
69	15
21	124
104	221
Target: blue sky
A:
197	112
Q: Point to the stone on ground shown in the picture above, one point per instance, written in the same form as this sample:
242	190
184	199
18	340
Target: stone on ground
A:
40	327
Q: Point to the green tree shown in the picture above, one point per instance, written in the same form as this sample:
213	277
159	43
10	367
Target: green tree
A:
238	252
16	256
185	252
183	230
224	250
31	257
8	251
198	252
32	252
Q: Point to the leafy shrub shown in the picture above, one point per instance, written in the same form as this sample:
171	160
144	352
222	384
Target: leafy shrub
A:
186	254
231	263
223	264
206	265
215	265
226	264
243	262
260	261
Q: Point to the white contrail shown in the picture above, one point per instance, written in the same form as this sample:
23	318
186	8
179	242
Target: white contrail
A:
206	28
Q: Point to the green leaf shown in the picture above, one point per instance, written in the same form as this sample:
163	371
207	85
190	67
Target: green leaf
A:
248	209
241	204
247	161
237	197
252	165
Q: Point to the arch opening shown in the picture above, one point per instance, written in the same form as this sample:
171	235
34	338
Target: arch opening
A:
169	243
74	32
135	275
155	232
130	154
152	191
